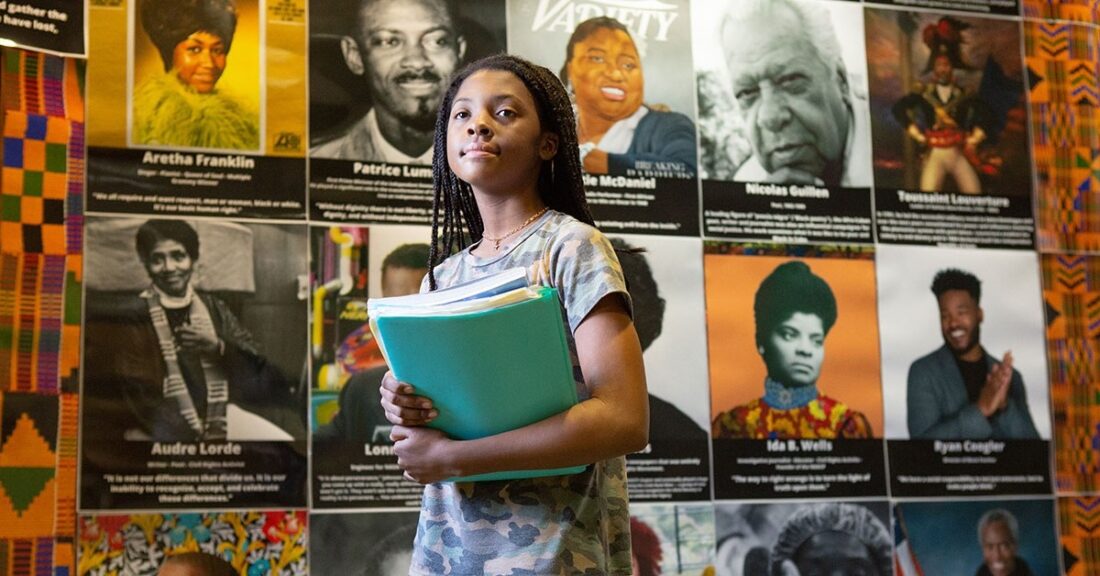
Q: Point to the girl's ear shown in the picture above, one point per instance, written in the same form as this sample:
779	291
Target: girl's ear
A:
548	145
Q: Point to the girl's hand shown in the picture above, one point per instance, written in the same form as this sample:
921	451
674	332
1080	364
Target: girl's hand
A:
423	453
402	407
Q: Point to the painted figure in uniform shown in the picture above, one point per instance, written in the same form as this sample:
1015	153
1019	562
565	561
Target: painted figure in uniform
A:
948	120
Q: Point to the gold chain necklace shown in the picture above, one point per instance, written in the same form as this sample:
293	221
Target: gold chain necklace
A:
497	241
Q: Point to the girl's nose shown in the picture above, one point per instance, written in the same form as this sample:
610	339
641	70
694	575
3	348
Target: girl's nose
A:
479	127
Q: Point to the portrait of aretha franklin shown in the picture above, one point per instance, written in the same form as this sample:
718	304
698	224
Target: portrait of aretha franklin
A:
183	105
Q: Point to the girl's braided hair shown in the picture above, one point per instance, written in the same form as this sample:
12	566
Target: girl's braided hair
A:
456	221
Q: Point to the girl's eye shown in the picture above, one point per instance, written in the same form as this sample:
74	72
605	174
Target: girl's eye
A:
506	113
461	114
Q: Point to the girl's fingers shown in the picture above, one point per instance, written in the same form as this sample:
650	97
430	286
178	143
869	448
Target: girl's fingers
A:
405	400
407	416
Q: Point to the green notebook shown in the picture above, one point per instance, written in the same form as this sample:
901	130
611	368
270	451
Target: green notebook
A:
499	367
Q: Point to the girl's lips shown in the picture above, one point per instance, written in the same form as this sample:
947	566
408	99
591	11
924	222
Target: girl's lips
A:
480	150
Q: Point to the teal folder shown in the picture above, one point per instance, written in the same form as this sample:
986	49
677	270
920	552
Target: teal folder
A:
487	371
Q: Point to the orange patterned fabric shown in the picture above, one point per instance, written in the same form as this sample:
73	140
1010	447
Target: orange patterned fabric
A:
823	417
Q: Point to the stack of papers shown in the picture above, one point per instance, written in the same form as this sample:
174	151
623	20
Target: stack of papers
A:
492	355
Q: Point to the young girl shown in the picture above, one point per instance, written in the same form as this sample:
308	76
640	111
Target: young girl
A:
507	174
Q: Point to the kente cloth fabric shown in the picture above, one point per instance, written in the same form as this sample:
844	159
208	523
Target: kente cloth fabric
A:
213	425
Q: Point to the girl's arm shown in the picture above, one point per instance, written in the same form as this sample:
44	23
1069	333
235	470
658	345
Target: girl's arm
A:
613	421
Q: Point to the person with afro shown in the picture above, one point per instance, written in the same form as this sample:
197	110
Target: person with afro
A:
959	390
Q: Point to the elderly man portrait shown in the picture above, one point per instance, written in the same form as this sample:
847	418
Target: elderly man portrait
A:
805	121
960	391
172	362
999	537
405	52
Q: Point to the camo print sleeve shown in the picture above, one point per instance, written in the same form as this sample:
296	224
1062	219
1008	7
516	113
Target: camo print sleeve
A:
581	263
576	524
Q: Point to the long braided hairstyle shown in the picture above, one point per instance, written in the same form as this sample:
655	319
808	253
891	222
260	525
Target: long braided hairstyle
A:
456	221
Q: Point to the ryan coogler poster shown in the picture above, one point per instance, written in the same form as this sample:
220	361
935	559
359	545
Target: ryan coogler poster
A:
964	371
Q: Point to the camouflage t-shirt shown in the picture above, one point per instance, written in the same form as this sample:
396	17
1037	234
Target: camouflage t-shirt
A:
574	524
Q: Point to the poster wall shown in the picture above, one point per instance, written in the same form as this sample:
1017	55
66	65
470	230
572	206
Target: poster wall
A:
784	181
665	285
763	538
999	7
796	404
353	463
336	543
53	26
984	537
949	118
376	80
272	542
673	538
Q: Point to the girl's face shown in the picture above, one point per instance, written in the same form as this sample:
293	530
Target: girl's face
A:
495	141
199	61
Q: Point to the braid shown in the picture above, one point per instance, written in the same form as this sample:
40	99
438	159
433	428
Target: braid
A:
560	181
